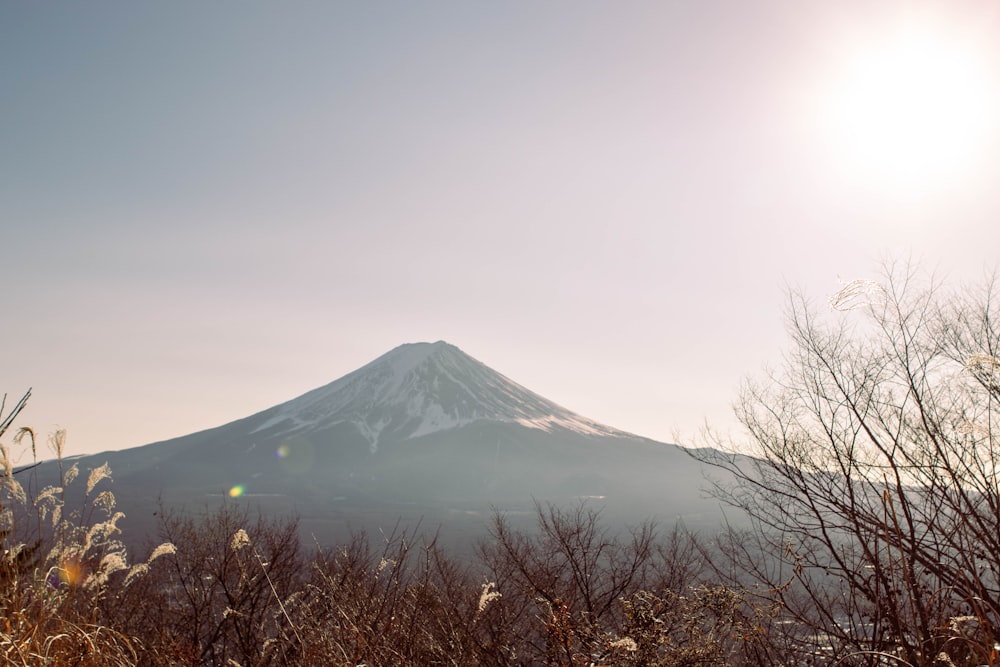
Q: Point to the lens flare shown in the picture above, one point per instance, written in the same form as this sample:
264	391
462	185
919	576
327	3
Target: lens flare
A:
72	571
237	491
296	455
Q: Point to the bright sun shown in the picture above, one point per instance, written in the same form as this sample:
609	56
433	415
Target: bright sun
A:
911	112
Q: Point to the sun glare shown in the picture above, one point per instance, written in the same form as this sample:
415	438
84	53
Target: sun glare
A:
912	111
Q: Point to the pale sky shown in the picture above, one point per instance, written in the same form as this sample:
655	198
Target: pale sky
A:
211	208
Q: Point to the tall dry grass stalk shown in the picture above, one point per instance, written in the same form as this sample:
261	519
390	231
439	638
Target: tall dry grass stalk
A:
56	566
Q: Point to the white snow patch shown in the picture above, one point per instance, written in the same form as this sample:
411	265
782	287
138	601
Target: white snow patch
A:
273	421
549	422
435	419
371	432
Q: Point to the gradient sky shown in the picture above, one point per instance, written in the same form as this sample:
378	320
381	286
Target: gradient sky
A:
210	208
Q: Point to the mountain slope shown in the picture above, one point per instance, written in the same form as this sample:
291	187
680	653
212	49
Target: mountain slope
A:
424	432
419	389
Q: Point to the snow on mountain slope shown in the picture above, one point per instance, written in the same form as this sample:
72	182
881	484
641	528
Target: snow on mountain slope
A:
419	389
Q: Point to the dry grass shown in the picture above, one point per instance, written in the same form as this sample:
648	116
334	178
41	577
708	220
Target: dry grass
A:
55	567
238	593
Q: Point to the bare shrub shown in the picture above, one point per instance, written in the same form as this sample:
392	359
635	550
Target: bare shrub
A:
872	476
577	593
402	602
209	603
562	585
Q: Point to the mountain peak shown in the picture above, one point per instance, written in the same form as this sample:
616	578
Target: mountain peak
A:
410	355
421	388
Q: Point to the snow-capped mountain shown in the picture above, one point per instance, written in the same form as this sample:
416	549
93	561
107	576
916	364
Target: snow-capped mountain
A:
424	434
419	389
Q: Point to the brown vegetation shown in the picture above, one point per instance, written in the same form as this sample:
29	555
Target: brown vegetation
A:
238	591
875	540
